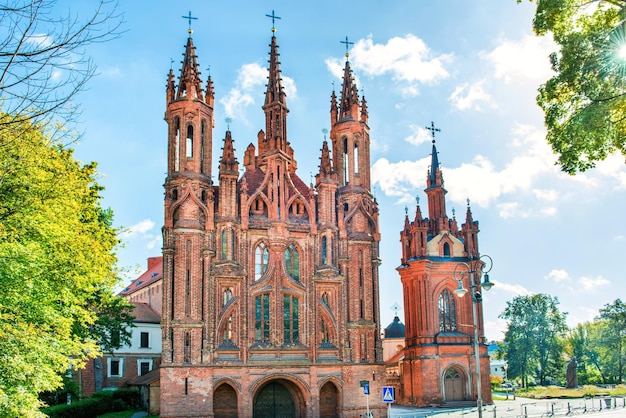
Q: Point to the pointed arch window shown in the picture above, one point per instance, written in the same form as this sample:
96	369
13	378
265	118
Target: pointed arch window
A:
446	249
189	144
345	160
228	330
324	253
356	159
325	299
177	145
291	317
262	317
228	295
447	312
261	259
202	134
325	333
228	244
292	262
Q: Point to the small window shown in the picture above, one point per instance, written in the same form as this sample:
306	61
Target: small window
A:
189	146
262	255
144	368
115	367
144	340
292	262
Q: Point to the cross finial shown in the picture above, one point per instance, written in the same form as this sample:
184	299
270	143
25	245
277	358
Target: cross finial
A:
208	69
324	131
395	308
274	17
228	121
432	130
171	63
189	18
348	43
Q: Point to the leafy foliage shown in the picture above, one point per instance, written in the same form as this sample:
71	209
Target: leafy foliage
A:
533	342
585	102
57	247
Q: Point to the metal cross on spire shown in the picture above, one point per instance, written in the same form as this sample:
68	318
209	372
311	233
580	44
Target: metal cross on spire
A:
274	17
189	18
348	43
432	130
395	308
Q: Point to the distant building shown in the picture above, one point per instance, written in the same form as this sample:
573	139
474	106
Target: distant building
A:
114	370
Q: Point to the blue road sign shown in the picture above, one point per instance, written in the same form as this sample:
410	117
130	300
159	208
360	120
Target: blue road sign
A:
389	394
366	389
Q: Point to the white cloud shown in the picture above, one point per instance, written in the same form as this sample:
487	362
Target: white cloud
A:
559	276
590	283
406	59
515	289
549	195
250	80
518	175
614	166
140	228
470	97
398	179
418	135
526	59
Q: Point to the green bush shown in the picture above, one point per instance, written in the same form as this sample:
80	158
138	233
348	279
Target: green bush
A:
100	403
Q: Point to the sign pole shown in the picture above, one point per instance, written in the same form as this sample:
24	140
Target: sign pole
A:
367	402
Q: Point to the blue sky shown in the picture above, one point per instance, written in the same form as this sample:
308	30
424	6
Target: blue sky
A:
471	67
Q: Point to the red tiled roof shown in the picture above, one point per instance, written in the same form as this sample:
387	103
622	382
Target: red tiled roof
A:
144	313
254	178
153	274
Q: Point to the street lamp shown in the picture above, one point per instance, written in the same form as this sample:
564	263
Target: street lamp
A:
469	269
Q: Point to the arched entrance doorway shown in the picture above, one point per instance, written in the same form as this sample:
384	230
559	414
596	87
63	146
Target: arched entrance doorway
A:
454	385
278	399
225	402
329	398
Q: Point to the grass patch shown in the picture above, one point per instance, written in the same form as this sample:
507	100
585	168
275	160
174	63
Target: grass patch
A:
555	392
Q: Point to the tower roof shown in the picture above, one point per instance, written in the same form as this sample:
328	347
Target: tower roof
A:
275	92
395	329
190	85
349	93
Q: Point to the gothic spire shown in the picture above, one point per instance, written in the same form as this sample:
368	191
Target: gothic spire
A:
275	106
228	162
189	86
349	95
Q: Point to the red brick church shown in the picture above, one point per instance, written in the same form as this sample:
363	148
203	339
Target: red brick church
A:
270	285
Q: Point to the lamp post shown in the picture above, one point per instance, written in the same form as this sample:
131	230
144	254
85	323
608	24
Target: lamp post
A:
469	269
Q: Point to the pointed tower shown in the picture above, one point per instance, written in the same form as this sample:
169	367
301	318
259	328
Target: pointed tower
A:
438	363
188	221
358	219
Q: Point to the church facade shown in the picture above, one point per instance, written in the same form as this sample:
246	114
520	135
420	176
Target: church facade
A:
270	285
439	359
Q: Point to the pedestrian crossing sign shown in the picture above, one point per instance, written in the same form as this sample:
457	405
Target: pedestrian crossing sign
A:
389	394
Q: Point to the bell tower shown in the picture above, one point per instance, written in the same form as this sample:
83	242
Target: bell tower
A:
439	362
189	210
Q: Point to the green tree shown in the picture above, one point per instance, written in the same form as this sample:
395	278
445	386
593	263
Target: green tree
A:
613	339
57	269
581	343
585	102
534	337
